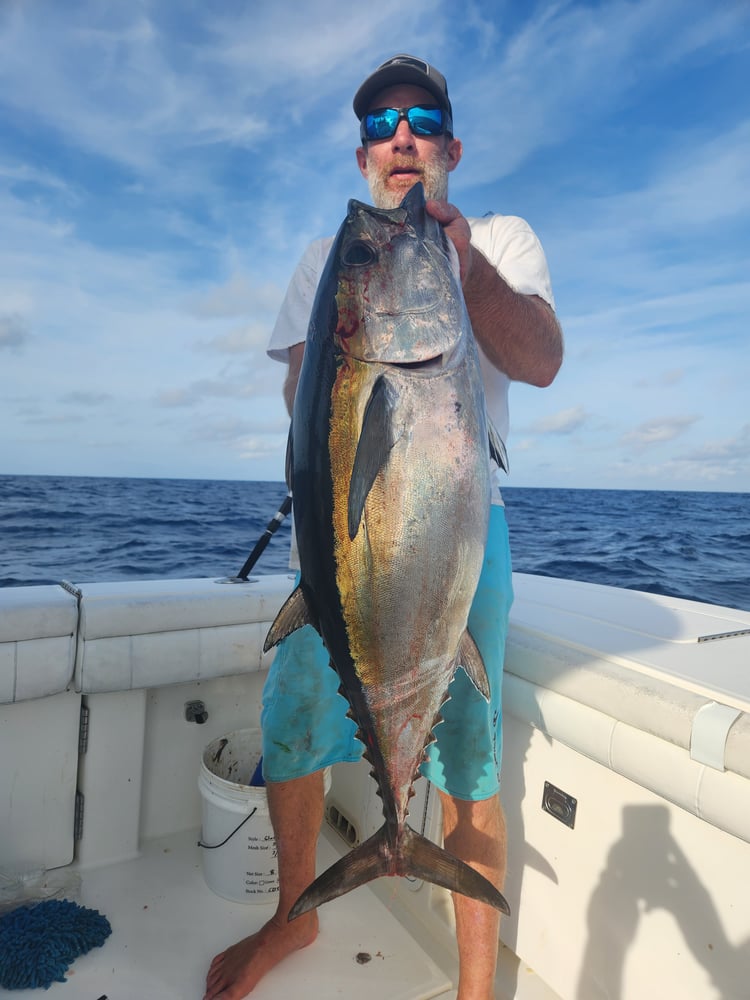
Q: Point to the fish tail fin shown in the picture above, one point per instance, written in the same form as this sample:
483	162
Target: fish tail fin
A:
420	858
367	861
414	855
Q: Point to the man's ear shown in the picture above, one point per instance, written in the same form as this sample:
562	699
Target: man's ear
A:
361	154
455	152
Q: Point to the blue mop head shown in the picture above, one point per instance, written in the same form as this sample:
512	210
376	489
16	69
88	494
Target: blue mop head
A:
38	943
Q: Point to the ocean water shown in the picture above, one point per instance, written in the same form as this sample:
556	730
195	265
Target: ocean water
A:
687	544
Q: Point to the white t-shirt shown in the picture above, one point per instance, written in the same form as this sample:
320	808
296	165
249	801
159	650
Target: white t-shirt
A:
507	241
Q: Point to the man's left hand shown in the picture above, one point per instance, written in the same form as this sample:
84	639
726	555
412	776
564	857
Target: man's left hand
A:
457	229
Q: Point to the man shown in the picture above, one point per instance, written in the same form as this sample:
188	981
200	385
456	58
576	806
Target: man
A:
407	136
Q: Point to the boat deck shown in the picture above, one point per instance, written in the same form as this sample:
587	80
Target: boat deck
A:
167	925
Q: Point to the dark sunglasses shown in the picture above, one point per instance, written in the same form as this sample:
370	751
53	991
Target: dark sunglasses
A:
423	119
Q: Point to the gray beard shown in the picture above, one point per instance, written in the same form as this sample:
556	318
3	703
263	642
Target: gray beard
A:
435	182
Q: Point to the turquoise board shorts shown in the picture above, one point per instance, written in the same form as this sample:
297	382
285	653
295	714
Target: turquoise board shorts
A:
304	721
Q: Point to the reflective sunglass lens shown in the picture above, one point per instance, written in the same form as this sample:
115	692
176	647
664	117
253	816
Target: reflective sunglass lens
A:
382	124
425	121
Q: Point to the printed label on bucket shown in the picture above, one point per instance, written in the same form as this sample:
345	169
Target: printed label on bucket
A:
264	878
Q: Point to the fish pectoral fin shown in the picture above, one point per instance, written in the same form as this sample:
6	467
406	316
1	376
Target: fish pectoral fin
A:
471	660
295	612
498	451
376	439
289	462
413	855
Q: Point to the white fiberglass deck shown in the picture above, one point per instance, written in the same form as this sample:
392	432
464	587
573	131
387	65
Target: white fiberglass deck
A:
167	925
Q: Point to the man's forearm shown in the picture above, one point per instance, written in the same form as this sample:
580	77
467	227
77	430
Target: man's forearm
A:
519	333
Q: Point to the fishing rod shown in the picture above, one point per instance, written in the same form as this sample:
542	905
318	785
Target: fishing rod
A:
265	538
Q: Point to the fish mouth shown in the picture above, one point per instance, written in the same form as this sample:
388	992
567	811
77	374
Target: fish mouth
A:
424	364
434	364
417	363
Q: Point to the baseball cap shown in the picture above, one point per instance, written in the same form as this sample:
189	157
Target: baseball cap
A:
402	69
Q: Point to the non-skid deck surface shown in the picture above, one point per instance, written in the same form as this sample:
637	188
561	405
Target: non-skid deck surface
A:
167	925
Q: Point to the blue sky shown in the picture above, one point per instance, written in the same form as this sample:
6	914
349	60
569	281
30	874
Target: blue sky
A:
163	165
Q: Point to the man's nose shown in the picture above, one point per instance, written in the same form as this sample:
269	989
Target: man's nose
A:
403	138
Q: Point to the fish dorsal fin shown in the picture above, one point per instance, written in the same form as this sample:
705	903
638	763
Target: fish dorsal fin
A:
295	612
497	447
471	660
425	225
413	204
376	439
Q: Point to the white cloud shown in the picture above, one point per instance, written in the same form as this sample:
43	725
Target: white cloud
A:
736	448
14	332
55	419
236	383
563	422
172	398
254	447
237	296
241	340
723	464
234	430
673	376
84	398
27	173
657	431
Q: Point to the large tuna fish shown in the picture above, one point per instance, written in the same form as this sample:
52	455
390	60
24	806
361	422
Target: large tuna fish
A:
388	464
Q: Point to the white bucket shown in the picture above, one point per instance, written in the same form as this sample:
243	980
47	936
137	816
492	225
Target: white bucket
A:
238	847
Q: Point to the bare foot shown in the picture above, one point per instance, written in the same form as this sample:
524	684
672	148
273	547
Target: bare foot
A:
236	972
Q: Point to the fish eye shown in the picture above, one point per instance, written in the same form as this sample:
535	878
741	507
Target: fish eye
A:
358	254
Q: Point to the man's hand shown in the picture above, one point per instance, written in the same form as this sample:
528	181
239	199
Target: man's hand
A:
457	229
518	333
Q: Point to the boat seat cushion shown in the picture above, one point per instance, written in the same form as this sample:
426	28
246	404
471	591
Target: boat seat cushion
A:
37	642
148	634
